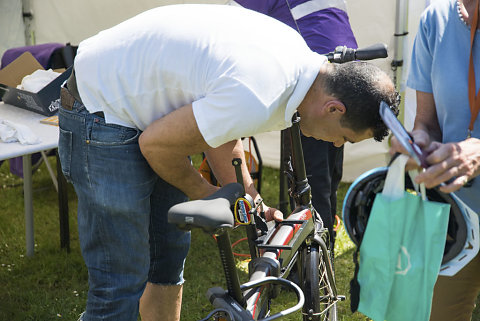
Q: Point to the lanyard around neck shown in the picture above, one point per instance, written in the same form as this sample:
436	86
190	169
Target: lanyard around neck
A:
473	99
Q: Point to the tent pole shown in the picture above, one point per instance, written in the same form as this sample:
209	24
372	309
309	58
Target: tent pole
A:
401	32
28	21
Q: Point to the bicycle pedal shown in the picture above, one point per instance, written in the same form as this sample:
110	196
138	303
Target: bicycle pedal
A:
341	297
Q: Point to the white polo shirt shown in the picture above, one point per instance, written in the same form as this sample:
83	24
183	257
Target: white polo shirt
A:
244	72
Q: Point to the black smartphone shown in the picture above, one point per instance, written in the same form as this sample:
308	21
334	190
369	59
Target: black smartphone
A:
402	135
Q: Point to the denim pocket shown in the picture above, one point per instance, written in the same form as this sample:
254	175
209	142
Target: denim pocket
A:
102	134
65	152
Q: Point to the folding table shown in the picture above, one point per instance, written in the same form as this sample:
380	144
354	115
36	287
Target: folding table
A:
48	135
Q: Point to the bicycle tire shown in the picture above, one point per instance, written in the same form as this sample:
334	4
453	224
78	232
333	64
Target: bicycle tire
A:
320	302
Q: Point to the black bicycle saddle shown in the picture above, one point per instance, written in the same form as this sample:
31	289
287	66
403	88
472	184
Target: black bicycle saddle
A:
211	213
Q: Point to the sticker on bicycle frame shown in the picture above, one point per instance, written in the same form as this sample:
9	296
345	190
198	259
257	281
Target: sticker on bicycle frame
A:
242	211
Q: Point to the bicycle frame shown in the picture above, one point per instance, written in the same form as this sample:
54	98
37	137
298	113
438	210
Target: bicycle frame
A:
274	253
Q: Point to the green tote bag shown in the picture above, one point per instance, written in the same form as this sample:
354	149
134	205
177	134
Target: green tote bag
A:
401	252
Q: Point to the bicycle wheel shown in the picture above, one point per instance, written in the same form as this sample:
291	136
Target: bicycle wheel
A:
320	301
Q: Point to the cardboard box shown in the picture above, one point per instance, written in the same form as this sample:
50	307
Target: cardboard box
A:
39	102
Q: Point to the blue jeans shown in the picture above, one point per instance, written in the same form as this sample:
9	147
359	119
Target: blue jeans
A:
122	205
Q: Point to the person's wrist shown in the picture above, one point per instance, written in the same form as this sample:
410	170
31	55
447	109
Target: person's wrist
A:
205	190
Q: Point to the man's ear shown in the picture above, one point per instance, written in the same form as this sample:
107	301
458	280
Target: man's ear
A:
335	106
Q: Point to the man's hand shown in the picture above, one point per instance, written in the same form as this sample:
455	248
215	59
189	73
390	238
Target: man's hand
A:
453	164
450	164
420	138
220	160
272	214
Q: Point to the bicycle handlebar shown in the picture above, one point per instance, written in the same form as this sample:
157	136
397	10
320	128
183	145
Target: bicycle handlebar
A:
343	54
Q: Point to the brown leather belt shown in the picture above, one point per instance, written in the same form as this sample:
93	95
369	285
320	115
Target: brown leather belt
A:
70	94
66	99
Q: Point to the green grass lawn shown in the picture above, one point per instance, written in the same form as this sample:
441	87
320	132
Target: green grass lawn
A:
53	285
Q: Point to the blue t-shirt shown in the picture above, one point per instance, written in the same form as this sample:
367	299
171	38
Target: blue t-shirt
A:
439	65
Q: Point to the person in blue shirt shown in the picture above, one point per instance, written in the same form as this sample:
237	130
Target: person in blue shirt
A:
448	130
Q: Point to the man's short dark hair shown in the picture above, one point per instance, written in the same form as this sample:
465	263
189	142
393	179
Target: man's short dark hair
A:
358	86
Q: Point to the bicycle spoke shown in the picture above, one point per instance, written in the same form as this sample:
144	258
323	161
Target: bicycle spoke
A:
324	311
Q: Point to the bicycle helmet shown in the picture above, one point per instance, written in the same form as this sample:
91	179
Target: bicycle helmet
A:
462	235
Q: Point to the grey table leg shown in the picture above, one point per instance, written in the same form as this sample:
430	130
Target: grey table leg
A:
28	203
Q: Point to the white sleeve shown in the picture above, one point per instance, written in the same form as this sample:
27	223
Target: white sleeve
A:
230	111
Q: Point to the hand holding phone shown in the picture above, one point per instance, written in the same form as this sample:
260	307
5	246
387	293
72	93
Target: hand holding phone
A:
402	135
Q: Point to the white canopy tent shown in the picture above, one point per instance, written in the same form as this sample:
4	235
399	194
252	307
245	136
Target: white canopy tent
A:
35	22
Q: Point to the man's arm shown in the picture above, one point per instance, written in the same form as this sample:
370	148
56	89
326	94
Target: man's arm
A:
450	163
167	143
426	120
220	160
